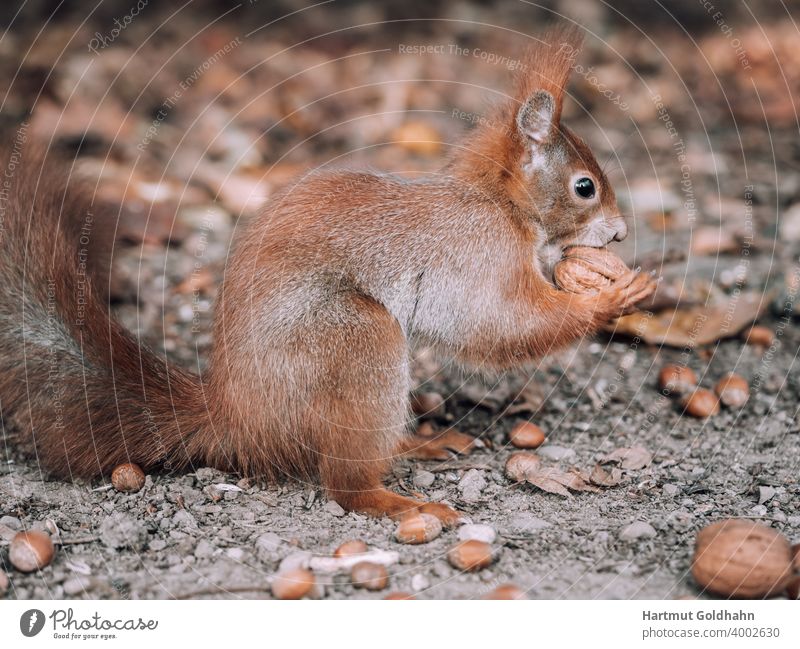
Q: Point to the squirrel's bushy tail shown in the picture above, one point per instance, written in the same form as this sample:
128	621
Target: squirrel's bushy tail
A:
76	389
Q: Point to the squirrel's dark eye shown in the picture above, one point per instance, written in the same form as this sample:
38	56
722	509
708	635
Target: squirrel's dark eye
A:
584	187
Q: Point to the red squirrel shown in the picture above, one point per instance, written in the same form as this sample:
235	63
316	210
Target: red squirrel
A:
309	375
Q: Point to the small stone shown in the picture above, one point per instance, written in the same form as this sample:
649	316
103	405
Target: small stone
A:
637	530
334	509
267	545
123	531
556	453
524	523
203	549
765	493
77	585
12	522
471	485
157	545
3	583
670	489
424	479
235	554
184	520
295	561
419	582
477	532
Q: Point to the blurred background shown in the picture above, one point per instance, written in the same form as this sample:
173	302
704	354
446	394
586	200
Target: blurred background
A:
187	116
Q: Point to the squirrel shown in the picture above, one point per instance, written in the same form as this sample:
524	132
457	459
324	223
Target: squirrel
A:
309	373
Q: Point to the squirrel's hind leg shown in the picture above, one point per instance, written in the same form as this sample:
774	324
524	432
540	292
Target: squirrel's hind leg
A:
362	416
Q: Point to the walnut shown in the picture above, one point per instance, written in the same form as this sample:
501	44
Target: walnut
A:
587	270
742	558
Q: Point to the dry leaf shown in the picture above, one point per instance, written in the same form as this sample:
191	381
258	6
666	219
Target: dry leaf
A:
526	467
633	458
603	478
693	326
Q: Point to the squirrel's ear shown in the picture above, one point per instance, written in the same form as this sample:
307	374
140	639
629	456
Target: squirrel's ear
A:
536	119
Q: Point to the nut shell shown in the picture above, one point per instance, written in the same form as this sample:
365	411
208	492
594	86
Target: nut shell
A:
470	555
372	576
293	584
30	551
742	558
732	390
677	378
128	478
701	403
526	435
587	270
418	528
427	404
399	594
759	336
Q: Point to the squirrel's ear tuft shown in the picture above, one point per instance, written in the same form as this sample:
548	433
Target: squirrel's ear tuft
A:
537	117
548	64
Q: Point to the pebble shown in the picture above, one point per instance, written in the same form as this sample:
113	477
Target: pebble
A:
235	554
334	509
157	545
295	561
424	478
765	493
477	532
267	544
471	485
637	530
671	489
419	582
557	453
123	531
203	549
12	522
3	583
184	519
77	585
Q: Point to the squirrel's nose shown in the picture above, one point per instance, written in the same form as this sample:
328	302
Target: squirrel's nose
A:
620	228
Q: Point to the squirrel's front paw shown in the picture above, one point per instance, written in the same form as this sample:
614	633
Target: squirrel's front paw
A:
628	291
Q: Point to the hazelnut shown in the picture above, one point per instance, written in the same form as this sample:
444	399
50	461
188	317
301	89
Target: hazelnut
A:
742	558
519	465
372	576
796	557
418	528
759	336
701	403
506	591
470	555
585	270
427	404
349	548
399	594
677	378
127	478
30	551
733	390
293	584
526	435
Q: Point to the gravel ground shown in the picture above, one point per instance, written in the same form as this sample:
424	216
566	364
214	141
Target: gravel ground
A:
205	534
